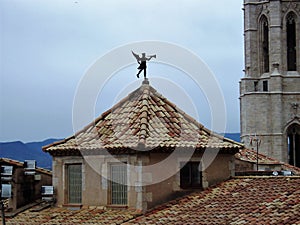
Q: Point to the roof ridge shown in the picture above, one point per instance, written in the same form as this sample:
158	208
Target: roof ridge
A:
144	120
266	177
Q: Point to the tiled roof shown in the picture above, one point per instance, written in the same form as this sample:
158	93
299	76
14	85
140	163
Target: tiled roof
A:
64	216
249	155
143	120
295	169
13	162
248	200
273	200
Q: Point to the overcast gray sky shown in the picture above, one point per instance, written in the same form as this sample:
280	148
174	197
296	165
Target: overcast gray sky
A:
48	45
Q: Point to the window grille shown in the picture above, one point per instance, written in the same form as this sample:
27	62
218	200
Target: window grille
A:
118	184
74	183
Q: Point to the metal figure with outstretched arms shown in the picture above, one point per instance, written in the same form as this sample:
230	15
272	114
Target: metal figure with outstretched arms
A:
142	61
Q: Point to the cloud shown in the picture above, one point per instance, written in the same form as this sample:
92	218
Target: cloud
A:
46	46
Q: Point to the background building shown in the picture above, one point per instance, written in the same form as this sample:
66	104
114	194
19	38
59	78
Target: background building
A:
25	184
270	90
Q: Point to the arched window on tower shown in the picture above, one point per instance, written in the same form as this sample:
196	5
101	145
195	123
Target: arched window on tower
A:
291	42
264	30
293	135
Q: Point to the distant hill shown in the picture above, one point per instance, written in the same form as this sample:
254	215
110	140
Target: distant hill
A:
233	136
33	150
20	151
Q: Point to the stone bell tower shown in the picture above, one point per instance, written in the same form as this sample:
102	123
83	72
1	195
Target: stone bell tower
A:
270	89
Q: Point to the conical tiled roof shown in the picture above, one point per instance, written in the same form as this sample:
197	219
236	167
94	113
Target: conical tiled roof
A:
143	120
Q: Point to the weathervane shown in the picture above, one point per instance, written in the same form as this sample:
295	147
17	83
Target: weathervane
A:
142	61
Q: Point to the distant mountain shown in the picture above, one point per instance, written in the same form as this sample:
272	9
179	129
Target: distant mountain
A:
33	150
20	151
233	136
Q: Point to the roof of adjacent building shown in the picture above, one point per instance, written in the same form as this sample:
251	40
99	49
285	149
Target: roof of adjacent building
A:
246	200
250	156
13	162
143	120
264	200
64	216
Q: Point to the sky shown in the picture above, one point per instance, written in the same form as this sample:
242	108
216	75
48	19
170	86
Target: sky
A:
48	46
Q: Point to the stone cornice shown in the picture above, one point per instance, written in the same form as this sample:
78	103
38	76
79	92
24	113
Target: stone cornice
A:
269	93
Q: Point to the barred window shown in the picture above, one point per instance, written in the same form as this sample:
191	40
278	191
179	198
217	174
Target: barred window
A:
118	187
74	173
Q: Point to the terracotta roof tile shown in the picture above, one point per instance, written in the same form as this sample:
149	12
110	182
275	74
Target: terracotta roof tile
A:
248	200
273	200
63	216
143	119
249	155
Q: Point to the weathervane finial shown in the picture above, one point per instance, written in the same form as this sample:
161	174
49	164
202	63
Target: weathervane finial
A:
142	61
